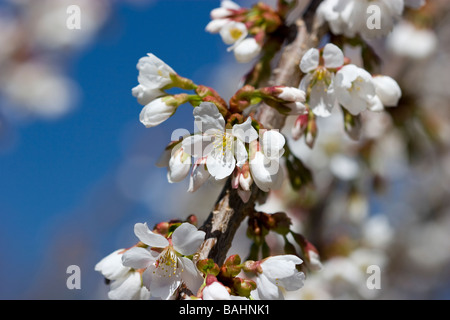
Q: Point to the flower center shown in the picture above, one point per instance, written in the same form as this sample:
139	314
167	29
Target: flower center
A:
235	33
222	142
167	263
356	84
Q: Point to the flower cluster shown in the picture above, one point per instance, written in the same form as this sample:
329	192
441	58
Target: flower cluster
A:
157	265
155	76
328	81
232	145
227	144
266	279
331	80
163	263
243	29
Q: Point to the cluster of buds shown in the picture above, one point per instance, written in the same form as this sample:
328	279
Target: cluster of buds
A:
259	226
244	29
287	100
155	78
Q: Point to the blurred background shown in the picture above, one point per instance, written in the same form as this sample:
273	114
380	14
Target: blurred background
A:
77	168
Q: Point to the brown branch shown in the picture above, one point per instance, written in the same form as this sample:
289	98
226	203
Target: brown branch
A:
230	211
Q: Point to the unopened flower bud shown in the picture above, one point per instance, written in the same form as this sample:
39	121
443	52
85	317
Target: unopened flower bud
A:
207	266
156	112
300	126
243	287
231	267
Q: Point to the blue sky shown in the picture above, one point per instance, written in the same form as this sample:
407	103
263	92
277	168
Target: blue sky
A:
59	178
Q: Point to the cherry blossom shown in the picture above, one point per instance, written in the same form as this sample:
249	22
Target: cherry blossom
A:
354	89
126	283
166	266
223	149
352	17
265	160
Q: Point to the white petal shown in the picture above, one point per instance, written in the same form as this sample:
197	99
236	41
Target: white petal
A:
155	113
278	267
247	50
199	175
163	286
137	258
214	26
245	131
179	166
187	239
244	195
267	290
240	153
207	117
272	144
148	237
198	145
333	56
294	282
233	32
111	266
264	171
297	108
228	4
189	274
322	99
220	165
126	289
415	4
310	60
292	94
144	95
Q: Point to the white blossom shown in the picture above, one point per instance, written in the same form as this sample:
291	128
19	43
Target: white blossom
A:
129	287
126	283
369	18
223	149
407	40
215	291
154	75
354	88
279	273
294	99
199	175
226	8
233	32
156	112
166	266
319	78
179	165
387	91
